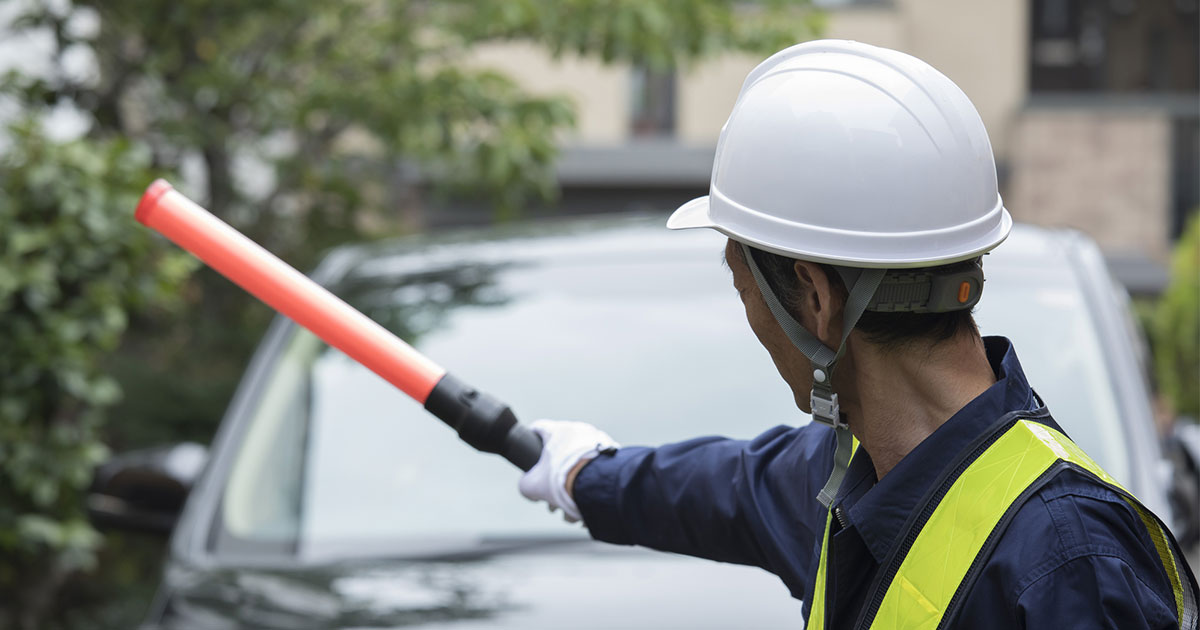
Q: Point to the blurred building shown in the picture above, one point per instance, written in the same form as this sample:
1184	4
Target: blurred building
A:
1092	107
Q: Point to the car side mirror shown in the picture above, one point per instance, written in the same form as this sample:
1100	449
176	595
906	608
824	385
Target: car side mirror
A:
1182	449
145	490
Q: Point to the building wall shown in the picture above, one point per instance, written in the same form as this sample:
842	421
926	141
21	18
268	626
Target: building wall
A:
600	92
706	94
708	90
1106	172
979	44
946	33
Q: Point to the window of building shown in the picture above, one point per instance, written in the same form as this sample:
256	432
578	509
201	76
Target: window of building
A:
652	107
1114	46
1145	52
1185	180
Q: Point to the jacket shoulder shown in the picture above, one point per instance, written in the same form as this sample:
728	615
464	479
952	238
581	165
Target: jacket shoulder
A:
1072	524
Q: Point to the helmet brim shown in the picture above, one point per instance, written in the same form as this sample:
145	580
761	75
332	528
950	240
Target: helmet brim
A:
693	214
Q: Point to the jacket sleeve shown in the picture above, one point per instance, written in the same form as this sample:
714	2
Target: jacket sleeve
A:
716	498
1095	590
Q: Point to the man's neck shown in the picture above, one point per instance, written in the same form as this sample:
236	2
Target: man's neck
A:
901	397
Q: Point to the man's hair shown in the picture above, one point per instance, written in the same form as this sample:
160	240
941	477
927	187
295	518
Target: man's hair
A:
890	330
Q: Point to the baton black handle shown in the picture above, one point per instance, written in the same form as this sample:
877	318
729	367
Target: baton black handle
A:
484	422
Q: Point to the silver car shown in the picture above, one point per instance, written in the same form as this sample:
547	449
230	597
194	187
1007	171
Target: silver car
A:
332	500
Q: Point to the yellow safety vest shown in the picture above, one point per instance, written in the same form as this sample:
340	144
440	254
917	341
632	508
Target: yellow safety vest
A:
951	547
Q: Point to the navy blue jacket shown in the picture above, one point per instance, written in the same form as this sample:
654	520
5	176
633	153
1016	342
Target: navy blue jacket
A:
1074	556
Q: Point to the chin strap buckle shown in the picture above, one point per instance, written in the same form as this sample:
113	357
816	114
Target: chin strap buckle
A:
825	409
824	402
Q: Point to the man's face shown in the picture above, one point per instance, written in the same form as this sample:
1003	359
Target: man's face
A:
793	366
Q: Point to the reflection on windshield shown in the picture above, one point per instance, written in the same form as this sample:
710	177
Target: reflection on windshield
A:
339	462
415	304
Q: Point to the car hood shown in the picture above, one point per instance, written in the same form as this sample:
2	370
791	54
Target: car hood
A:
571	584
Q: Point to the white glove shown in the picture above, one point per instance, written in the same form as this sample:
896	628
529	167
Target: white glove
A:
564	444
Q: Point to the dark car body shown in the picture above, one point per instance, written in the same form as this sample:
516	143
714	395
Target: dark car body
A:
388	521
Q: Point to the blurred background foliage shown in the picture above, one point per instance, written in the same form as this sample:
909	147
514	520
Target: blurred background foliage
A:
1175	327
304	124
72	270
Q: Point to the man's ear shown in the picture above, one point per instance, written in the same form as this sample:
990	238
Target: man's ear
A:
821	303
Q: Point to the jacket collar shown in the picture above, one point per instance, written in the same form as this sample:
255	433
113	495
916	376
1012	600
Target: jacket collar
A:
879	510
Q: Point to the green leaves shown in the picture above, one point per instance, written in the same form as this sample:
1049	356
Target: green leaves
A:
73	539
1176	326
337	102
73	263
659	33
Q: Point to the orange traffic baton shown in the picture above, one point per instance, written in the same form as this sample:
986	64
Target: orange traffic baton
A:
482	421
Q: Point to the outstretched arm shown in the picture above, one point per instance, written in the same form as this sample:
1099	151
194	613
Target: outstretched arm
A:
709	497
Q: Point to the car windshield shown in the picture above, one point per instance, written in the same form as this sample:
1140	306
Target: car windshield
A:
639	333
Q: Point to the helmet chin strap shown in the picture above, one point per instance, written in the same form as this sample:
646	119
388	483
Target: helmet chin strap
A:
822	399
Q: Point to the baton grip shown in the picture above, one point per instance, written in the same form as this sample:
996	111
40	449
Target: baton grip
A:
484	422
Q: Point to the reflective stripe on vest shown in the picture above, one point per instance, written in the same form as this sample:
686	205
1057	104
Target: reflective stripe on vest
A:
945	557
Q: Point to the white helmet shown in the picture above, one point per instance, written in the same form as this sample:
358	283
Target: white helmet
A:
864	158
849	154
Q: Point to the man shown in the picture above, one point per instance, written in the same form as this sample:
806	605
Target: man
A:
933	489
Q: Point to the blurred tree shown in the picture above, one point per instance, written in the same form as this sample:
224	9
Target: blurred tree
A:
301	114
1176	326
302	121
72	267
